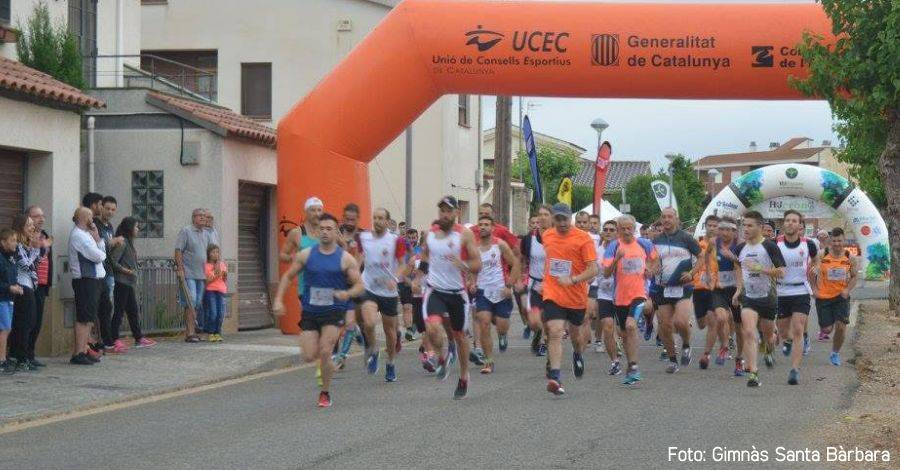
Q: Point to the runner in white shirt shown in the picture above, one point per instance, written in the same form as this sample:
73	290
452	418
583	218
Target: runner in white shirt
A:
493	297
534	255
605	294
382	259
583	222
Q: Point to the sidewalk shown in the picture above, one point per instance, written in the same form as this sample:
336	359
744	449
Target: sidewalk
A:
170	366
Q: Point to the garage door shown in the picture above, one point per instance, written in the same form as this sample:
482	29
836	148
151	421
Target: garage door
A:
253	230
12	167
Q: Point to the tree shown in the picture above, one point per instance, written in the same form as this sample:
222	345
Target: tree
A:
553	165
689	193
859	75
582	196
502	157
52	50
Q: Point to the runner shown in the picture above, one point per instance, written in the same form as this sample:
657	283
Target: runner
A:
571	264
760	263
583	223
769	230
836	278
448	254
794	290
383	254
534	254
411	243
349	241
303	236
630	261
725	294
672	293
426	350
331	279
493	298
704	281
606	308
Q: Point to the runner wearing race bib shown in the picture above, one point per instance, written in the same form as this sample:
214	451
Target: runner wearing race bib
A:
606	308
794	291
704	281
759	263
535	255
672	296
493	297
725	294
383	254
332	279
583	223
836	278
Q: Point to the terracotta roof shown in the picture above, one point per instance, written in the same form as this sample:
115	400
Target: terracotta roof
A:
754	158
619	174
793	143
27	81
218	119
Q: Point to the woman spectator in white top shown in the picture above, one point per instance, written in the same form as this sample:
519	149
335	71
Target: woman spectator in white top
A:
24	310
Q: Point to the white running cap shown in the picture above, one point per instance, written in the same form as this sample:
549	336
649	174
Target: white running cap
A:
312	202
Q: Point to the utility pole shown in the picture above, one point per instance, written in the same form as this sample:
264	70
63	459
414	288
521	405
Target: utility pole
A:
502	159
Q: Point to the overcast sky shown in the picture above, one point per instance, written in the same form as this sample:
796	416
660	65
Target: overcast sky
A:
648	129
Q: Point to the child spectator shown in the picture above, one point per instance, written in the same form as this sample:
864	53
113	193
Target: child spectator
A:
214	299
123	260
9	288
24	308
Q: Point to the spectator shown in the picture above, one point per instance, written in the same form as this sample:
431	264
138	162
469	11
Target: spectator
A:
401	229
45	278
214	301
108	207
87	252
9	289
26	277
124	262
210	227
190	257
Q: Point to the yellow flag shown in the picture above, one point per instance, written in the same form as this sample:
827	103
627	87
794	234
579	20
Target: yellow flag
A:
564	193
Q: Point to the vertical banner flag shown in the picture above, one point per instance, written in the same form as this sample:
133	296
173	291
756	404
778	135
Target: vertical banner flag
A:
564	193
661	191
604	153
538	197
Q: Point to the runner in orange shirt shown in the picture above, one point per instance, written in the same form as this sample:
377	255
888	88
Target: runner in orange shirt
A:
836	277
704	281
571	264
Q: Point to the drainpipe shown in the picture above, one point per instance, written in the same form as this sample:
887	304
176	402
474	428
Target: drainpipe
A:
479	173
409	177
120	43
90	150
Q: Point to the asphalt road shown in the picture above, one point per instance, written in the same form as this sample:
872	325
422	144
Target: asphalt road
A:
508	420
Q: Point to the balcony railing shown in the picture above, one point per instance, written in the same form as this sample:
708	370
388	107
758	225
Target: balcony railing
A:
154	72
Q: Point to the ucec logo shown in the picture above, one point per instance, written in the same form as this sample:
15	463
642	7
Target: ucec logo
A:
605	49
791	172
483	39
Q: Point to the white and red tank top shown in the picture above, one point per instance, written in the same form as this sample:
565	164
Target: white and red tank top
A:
443	275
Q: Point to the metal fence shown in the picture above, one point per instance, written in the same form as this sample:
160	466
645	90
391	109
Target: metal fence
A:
157	296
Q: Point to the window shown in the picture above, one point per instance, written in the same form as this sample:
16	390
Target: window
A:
718	178
463	212
147	202
5	12
83	24
256	90
735	175
464	110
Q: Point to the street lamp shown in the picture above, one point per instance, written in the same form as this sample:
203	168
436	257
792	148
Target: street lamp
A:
671	158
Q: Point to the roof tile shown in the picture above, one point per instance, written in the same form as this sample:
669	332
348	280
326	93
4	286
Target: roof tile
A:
619	174
19	78
234	124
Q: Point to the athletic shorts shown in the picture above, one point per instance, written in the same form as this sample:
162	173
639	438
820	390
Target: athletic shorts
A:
791	304
575	316
447	305
502	309
605	309
418	315
386	305
703	302
535	298
309	322
592	292
405	293
833	310
631	310
87	298
6	314
766	307
659	300
722	299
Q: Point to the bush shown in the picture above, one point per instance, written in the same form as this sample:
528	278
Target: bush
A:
52	50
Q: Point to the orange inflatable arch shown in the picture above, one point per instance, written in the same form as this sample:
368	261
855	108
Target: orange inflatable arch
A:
424	49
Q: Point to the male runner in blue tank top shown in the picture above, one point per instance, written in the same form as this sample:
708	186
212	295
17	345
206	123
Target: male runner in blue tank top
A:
331	279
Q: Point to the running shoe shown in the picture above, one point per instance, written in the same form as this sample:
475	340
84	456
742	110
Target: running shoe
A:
144	343
769	360
663	355
81	359
372	363
598	346
577	365
319	376
753	379
411	334
823	336
118	347
806	345
672	368
615	368
488	368
835	358
686	356
793	377
786	348
476	356
427	364
462	388
442	371
390	373
722	356
324	400
739	367
503	342
93	355
542	350
632	377
451	353
704	361
526	333
555	387
648	333
536	343
25	366
8	368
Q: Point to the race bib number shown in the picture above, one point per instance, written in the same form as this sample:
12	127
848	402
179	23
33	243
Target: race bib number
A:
705	279
837	274
321	297
673	292
560	267
757	287
726	278
494	295
632	265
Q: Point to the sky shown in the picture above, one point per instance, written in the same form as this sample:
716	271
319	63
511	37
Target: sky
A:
649	129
